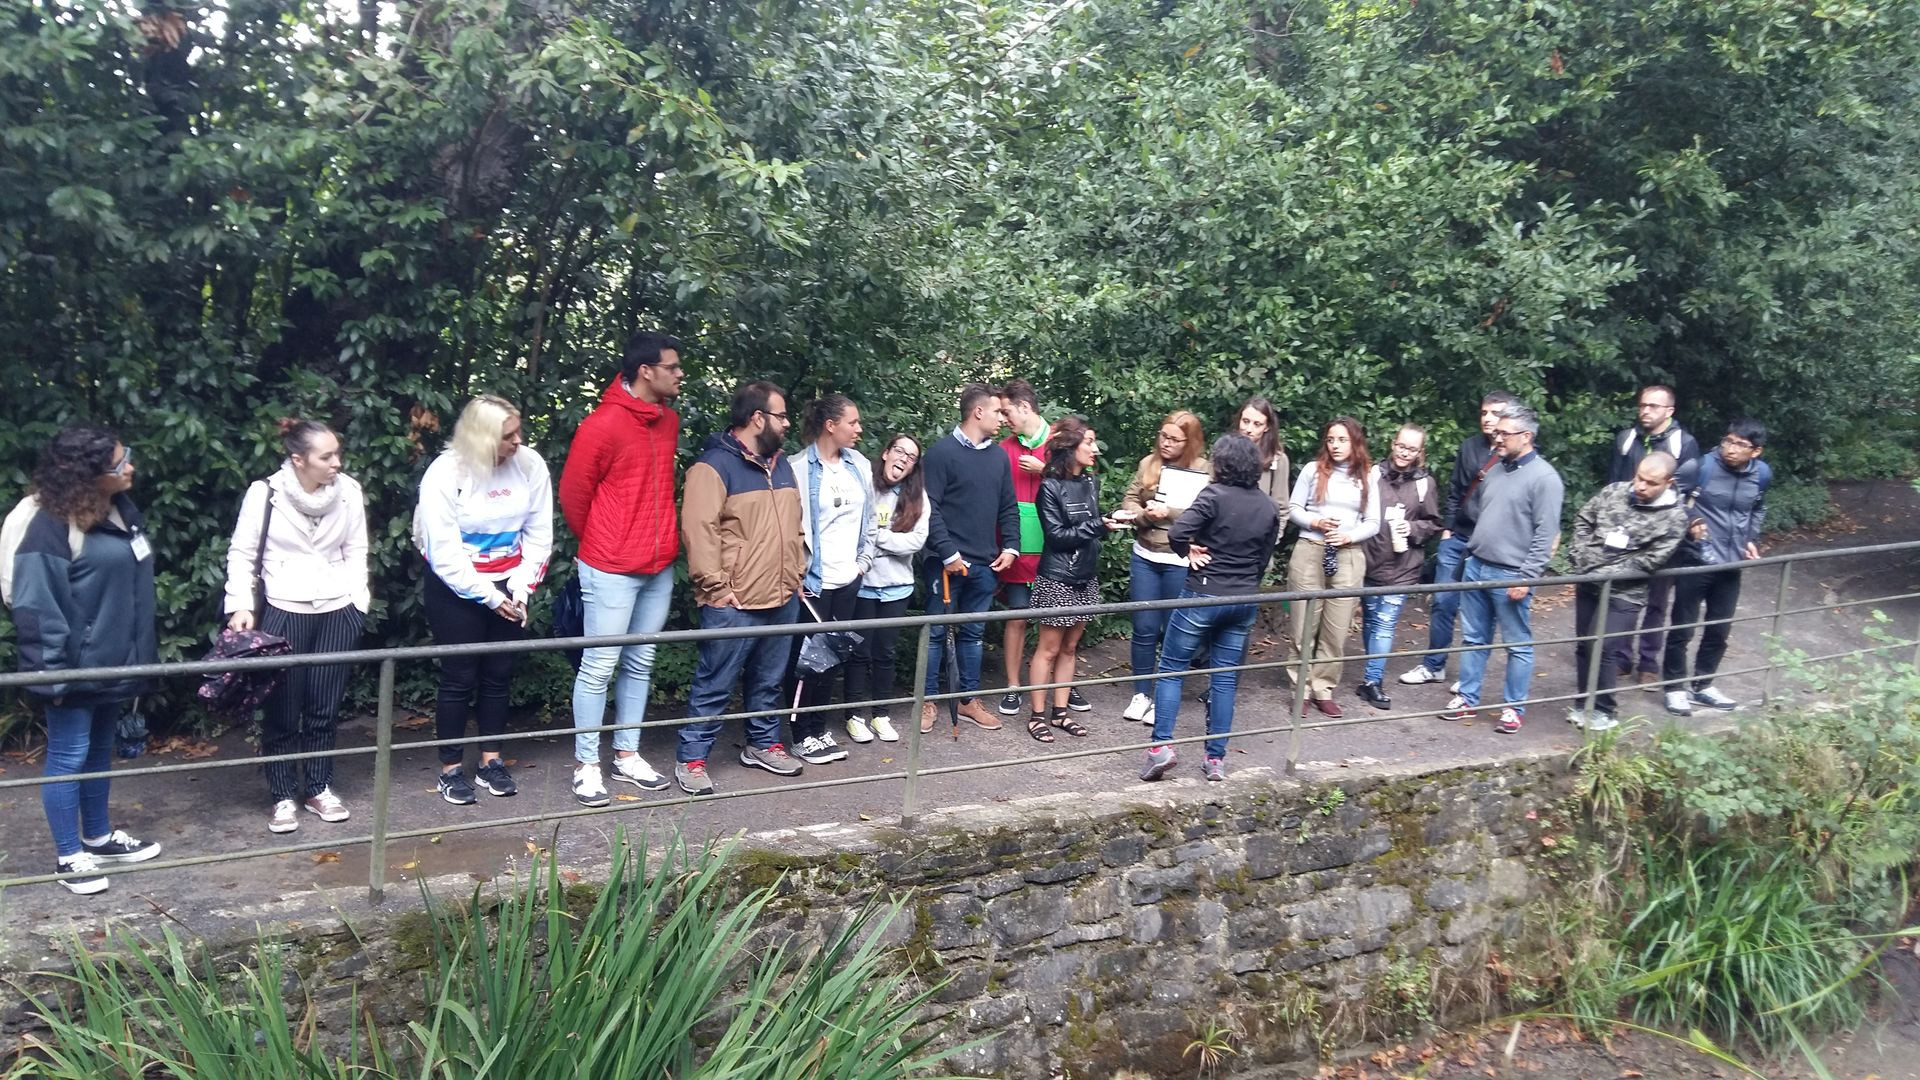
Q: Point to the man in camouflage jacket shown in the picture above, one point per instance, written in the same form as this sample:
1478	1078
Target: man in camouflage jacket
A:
1628	529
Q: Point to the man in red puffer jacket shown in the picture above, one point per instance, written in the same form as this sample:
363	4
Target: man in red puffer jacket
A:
617	495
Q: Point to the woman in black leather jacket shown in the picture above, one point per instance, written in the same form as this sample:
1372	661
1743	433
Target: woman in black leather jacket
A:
1070	521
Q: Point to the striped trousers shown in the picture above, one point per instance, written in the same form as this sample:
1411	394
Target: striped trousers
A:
301	715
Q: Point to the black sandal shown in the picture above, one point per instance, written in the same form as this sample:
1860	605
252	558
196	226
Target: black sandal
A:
1071	727
1037	727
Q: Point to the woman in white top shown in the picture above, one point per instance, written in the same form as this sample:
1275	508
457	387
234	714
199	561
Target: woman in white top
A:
1336	505
901	514
485	525
302	535
837	523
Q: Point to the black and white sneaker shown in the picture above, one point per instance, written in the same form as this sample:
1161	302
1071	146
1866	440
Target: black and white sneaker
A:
1076	702
1713	699
118	847
456	789
89	881
1009	704
493	776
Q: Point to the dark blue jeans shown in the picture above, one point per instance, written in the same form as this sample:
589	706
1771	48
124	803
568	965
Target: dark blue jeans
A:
971	593
1150	580
1223	631
79	740
1448	562
762	661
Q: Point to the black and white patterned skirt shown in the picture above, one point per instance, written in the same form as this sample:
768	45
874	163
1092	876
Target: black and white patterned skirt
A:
1048	593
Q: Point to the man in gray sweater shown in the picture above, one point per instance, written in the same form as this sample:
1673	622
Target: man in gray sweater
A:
1517	524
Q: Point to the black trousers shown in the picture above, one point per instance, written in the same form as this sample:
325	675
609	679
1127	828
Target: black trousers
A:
1719	593
456	620
833	605
1621	618
303	713
870	674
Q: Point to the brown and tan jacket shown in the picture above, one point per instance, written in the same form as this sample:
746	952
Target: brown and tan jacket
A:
740	525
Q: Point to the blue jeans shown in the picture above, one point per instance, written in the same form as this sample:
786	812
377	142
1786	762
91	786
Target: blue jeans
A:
1381	615
1225	629
763	663
1480	610
1150	580
79	740
617	604
1450	558
973	592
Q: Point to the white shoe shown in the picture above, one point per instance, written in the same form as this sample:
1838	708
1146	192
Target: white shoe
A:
86	865
813	750
1677	703
1139	709
1602	721
327	806
883	729
834	749
1714	699
286	817
1421	673
634	769
1577	717
588	788
1453	687
857	729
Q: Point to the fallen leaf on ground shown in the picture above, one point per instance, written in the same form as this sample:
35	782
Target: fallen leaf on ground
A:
571	877
414	865
626	798
326	856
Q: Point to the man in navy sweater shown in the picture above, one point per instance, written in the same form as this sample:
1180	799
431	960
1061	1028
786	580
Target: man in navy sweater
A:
970	486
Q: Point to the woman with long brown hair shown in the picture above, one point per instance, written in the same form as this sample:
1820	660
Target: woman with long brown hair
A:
900	517
1336	505
1071	528
1155	572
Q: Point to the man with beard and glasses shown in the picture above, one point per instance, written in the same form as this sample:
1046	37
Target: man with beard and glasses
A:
1655	431
740	519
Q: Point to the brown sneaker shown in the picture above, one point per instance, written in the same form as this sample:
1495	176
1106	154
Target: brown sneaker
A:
980	715
928	713
1650	682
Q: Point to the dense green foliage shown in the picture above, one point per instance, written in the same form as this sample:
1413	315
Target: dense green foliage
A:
661	973
213	216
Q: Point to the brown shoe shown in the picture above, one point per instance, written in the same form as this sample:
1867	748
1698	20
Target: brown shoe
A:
1327	705
981	716
1650	682
928	712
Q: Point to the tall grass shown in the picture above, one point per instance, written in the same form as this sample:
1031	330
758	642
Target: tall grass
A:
663	973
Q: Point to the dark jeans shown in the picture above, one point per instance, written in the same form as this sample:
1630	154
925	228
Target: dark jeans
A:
456	620
870	674
1223	632
971	593
1149	580
1618	626
833	605
303	712
1653	627
1450	559
1719	593
762	661
79	740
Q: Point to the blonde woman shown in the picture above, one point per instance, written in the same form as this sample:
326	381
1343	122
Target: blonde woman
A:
485	525
1156	572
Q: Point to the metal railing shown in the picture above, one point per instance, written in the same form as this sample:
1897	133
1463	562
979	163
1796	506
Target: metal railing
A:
1294	727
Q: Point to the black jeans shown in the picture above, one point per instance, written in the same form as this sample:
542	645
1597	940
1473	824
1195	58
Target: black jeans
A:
870	674
1622	615
832	605
304	711
1719	592
456	620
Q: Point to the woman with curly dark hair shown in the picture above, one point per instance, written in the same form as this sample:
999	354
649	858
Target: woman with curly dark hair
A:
83	598
1072	527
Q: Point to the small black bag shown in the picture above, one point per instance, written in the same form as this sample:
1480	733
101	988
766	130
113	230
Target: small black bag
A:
570	616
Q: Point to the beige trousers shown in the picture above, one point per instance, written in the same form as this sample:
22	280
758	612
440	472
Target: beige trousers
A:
1332	618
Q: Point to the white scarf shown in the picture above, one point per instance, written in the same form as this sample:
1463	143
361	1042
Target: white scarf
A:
314	504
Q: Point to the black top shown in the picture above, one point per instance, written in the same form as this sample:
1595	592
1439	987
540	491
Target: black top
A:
93	607
972	496
1070	520
1473	454
1238	527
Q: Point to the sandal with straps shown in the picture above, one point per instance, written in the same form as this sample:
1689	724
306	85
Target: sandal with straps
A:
1037	727
1071	727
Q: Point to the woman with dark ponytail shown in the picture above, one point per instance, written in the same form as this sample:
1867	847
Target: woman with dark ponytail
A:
837	523
297	569
82	594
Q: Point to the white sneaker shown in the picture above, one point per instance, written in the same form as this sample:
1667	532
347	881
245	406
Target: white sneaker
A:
1602	721
88	867
883	729
1422	674
813	751
1677	703
1453	687
588	788
286	816
1714	699
1139	709
327	806
634	770
857	729
1577	717
834	749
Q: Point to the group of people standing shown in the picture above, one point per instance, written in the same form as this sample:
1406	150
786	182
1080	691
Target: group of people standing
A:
825	535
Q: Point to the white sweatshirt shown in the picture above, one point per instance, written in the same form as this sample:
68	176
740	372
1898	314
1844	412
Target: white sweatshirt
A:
311	565
475	531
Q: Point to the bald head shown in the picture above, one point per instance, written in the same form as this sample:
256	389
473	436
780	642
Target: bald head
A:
1654	476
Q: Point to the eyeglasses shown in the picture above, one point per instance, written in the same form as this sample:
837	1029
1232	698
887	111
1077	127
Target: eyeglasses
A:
1736	442
125	460
1498	434
671	369
1167	437
1405	447
903	453
775	415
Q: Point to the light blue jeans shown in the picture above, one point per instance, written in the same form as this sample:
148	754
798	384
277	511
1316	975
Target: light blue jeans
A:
1223	632
1382	616
617	604
1449	559
1480	611
79	740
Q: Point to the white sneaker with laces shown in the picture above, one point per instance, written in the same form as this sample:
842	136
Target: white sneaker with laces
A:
1422	674
634	769
1714	699
1602	721
327	806
1577	717
1677	703
286	817
835	752
857	729
1453	687
811	751
88	867
1139	709
588	788
883	729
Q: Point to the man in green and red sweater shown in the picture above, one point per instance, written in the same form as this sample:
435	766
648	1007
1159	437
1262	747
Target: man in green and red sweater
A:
1025	459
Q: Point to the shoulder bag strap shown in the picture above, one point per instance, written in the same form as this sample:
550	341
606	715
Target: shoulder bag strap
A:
260	559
